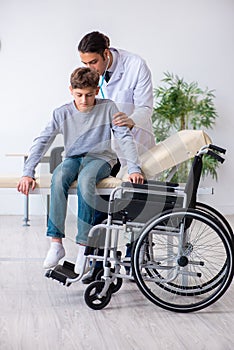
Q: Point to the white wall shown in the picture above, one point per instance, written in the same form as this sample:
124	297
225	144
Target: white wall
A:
193	39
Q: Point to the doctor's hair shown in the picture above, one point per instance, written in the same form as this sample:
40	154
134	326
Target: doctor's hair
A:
94	42
83	78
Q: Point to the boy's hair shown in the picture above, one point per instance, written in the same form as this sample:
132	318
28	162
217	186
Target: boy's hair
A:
84	77
94	42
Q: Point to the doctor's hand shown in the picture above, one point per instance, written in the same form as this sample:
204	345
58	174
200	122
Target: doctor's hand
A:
136	178
121	119
25	184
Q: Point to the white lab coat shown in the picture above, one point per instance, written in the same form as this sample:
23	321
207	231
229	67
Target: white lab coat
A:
130	87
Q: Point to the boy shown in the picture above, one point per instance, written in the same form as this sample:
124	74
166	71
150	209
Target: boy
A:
86	124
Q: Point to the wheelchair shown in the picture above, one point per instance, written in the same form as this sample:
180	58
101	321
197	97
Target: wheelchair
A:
181	250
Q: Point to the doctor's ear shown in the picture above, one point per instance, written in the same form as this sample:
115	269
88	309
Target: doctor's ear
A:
107	54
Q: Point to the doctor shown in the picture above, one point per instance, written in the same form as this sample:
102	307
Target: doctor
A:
125	79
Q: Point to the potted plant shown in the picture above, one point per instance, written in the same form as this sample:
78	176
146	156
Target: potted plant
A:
180	105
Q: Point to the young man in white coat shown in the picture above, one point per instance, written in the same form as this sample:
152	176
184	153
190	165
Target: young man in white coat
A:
125	79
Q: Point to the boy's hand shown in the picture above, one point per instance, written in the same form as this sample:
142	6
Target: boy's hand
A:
121	119
136	178
25	184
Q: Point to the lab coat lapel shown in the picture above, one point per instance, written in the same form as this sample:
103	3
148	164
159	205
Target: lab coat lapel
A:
117	74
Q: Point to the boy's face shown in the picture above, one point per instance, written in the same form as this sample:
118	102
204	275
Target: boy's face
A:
84	98
95	61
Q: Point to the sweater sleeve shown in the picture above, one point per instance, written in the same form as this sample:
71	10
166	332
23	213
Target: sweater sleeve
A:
40	146
126	147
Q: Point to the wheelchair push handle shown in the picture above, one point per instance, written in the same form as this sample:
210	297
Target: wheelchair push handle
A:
217	148
216	156
212	150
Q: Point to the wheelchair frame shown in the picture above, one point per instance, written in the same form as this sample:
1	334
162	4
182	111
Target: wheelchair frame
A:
172	260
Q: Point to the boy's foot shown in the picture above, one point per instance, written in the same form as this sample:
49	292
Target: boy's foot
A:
55	253
82	264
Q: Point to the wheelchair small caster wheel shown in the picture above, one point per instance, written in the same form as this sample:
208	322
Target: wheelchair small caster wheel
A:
115	285
99	275
92	298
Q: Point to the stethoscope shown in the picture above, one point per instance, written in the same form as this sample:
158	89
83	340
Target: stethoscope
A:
103	77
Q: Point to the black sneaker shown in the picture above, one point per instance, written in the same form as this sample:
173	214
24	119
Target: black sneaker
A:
91	276
128	255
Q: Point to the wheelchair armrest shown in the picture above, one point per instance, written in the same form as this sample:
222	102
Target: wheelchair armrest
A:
152	185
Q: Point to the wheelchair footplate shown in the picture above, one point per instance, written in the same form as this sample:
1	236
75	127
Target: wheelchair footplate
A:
62	273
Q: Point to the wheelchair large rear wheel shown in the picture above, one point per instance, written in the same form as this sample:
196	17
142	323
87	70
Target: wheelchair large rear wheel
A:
205	285
178	261
220	219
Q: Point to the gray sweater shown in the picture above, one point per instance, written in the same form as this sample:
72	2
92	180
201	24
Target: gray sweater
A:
85	132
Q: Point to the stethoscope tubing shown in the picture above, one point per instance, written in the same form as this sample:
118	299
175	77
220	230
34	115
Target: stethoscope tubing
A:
103	78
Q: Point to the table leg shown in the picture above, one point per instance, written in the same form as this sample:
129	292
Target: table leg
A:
26	211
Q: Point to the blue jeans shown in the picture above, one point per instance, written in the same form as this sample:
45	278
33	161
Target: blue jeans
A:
88	171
